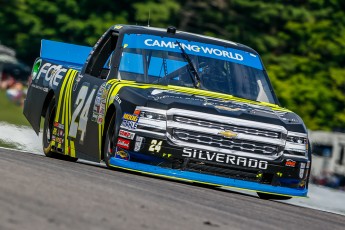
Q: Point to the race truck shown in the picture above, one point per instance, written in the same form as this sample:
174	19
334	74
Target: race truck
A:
169	103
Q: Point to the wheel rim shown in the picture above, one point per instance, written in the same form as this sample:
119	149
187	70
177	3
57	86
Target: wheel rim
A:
48	133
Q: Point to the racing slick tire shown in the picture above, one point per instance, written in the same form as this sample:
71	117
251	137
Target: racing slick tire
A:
266	196
48	133
109	143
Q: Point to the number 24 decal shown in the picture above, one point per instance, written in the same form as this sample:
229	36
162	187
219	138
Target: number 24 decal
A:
155	146
83	115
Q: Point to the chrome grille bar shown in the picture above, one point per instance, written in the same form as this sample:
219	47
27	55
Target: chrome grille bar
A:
237	129
221	142
205	131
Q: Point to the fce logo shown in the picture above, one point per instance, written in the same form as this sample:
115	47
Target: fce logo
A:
52	74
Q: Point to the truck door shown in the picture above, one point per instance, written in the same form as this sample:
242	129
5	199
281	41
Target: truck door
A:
87	105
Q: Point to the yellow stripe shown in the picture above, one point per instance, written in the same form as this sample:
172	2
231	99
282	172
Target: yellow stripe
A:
216	95
68	111
69	108
65	116
72	149
65	80
61	96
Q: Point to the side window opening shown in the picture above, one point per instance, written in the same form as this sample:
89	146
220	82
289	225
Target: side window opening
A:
101	60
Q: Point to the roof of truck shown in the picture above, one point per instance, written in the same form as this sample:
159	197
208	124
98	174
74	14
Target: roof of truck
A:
181	34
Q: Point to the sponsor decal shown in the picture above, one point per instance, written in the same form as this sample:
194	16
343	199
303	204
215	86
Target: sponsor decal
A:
129	121
228	134
137	112
144	41
117	99
58	125
77	80
123	143
290	163
59	140
224	158
166	155
61	133
117	27
100	119
138	143
52	74
44	89
194	48
55	131
100	101
121	154
228	108
126	134
36	68
302	183
129	124
130	117
301	170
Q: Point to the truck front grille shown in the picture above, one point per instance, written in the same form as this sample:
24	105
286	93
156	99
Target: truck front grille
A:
225	143
228	135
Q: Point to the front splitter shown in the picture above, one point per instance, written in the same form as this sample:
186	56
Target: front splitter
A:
194	177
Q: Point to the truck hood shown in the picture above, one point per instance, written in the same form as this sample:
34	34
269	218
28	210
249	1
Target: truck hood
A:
215	103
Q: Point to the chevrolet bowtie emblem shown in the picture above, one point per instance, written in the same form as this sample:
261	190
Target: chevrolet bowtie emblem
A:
228	134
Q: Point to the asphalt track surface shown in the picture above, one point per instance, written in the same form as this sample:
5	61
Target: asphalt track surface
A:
37	192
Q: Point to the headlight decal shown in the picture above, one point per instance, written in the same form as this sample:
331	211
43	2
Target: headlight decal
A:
296	144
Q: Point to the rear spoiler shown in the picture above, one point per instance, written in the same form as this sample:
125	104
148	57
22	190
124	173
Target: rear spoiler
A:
65	53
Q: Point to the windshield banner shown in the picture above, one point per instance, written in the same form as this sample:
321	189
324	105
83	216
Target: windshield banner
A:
145	41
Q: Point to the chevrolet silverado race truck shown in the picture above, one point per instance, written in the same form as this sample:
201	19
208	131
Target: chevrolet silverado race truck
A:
169	103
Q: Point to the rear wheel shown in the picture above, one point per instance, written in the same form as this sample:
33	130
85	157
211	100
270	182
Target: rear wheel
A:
48	130
266	196
109	143
48	134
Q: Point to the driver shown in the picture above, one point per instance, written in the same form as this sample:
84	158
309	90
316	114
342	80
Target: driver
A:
213	75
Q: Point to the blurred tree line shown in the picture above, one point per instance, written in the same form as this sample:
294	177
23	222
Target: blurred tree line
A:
302	42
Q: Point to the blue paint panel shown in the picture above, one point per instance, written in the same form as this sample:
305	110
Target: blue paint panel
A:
221	181
151	42
64	52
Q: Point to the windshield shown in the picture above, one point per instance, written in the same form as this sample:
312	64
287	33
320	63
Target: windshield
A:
160	60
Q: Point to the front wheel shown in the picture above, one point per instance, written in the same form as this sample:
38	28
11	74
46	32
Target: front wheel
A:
109	144
266	196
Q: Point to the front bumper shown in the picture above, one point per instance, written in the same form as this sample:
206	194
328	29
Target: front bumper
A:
150	155
212	149
204	178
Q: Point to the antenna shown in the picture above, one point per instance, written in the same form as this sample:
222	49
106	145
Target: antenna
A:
148	20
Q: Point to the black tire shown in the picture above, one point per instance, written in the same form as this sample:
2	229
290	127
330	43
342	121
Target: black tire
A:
48	130
48	133
109	144
266	196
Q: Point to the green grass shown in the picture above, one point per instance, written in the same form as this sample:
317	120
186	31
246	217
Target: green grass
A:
10	112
